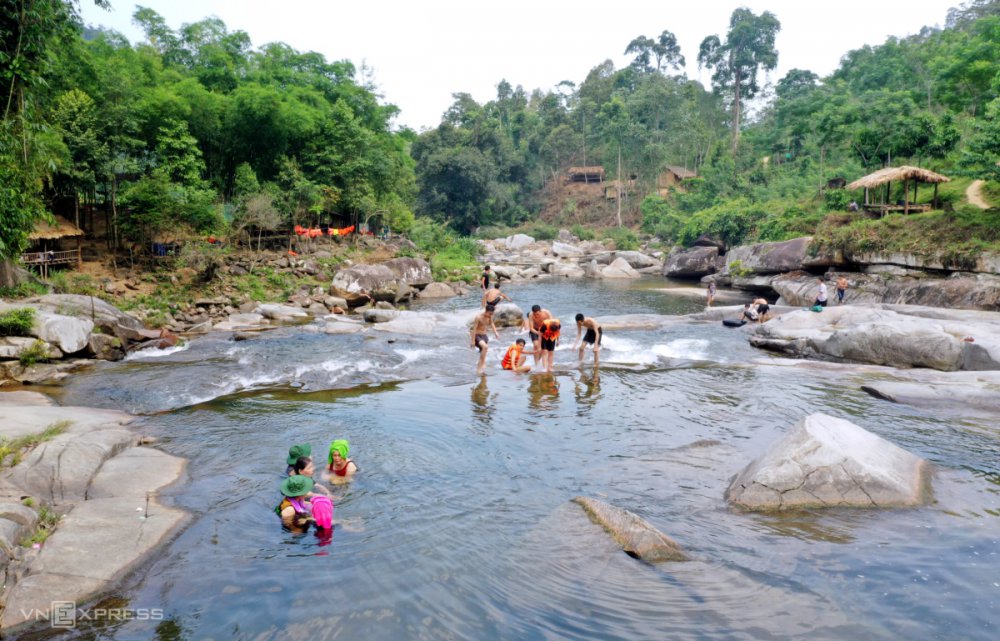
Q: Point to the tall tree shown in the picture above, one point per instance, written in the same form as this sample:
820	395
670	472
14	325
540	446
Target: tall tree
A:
749	47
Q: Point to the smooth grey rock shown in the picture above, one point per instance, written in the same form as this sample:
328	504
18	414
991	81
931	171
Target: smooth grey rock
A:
68	333
508	315
638	260
564	250
134	473
282	313
566	270
200	328
619	268
504	272
59	471
363	278
690	263
828	462
378	315
407	323
974	390
341	328
11	347
19	513
637	537
770	258
105	347
96	543
26	398
437	290
109	318
19	419
411	271
518	241
242	321
11	533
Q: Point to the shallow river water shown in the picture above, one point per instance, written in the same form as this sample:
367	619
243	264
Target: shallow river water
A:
459	524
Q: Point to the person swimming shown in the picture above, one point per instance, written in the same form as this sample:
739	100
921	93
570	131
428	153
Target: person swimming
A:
340	466
295	508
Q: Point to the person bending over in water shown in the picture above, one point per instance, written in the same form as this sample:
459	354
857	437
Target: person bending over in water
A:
763	307
340	466
533	324
592	337
550	336
493	296
295	508
514	358
483	322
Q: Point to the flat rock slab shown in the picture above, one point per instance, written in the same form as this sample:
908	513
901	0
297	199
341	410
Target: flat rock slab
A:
637	537
829	462
60	471
96	543
26	419
970	390
24	397
135	473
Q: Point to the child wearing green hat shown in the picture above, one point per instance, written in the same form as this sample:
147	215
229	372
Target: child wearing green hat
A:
341	468
295	508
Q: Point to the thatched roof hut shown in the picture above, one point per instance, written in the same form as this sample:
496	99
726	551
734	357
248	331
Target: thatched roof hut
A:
904	174
592	174
60	228
897	174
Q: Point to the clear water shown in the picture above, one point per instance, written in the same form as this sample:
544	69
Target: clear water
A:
459	524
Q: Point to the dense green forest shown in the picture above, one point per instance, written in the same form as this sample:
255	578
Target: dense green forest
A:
195	128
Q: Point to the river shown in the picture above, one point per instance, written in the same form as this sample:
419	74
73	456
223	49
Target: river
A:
459	523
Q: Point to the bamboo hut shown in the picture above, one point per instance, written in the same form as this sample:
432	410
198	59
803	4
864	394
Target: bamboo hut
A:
46	245
906	175
594	174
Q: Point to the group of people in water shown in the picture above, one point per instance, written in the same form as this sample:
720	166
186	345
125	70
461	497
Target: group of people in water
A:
305	502
543	330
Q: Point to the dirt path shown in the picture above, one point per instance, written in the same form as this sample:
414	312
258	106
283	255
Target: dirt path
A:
974	194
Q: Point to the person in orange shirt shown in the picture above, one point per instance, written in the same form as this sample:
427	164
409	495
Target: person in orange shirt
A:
514	358
550	336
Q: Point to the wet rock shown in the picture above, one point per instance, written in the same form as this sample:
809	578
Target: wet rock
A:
281	313
105	348
380	315
508	315
637	537
829	462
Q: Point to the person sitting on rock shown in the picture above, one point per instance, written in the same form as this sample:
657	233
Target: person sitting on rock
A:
514	359
295	508
341	468
749	313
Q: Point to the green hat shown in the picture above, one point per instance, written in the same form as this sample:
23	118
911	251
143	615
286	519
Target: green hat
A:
340	445
296	486
296	452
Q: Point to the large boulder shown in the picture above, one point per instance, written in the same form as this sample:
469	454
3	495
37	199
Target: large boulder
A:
769	258
619	268
281	313
637	537
829	462
897	285
565	250
517	242
508	315
412	271
566	270
690	263
363	278
900	336
109	318
437	290
638	260
68	333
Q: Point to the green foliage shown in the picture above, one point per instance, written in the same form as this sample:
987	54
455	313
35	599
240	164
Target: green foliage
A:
539	230
38	352
737	269
624	238
66	282
836	199
24	290
732	222
47	522
17	321
660	219
447	252
583	233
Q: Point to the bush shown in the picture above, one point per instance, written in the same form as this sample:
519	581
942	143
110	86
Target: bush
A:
38	352
660	219
24	290
836	199
17	322
625	239
733	222
540	231
583	233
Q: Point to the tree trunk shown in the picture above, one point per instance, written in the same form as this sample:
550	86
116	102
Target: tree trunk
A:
619	199
736	113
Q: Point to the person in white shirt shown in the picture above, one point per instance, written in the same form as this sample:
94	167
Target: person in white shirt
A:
820	293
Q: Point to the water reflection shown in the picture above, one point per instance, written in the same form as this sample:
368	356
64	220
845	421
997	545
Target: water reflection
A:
543	392
587	390
482	404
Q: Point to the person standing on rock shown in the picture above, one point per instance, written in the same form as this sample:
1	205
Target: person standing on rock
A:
841	289
820	293
711	291
484	280
593	336
480	339
493	296
533	324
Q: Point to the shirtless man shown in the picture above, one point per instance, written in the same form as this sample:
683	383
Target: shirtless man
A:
533	324
483	322
592	337
493	296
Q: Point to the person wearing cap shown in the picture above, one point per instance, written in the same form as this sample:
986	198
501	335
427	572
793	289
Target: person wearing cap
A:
340	466
296	452
295	508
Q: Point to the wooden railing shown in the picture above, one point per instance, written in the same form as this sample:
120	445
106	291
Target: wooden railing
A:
71	257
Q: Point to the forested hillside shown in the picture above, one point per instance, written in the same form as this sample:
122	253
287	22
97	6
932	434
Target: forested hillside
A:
196	128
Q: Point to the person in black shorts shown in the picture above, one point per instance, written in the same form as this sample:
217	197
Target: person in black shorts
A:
484	280
480	339
592	337
533	324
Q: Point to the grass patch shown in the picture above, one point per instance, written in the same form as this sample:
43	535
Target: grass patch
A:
12	451
47	521
24	290
37	353
73	283
17	322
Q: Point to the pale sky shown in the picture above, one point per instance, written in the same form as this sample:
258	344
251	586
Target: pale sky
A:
423	51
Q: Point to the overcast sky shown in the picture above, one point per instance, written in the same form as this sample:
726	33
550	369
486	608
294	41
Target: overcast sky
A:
423	51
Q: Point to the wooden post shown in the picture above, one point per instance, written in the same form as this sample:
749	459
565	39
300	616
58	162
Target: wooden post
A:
916	186
79	253
906	197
